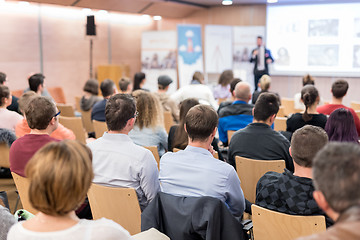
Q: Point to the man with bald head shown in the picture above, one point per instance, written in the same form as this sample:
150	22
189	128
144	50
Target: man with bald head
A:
238	114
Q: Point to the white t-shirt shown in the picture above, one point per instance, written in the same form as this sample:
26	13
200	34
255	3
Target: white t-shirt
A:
85	230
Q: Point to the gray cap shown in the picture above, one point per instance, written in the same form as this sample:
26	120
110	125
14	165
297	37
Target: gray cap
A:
164	80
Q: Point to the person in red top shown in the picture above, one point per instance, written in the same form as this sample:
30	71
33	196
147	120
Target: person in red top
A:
41	116
339	89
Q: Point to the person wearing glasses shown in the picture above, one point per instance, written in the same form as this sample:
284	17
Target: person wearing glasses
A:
41	116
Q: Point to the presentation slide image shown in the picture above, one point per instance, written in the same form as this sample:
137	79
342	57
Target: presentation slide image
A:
356	62
324	28
357	27
283	58
323	55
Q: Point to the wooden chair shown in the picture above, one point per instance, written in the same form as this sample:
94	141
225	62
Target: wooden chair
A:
281	112
154	151
271	225
230	133
251	170
216	154
17	93
77	103
22	185
355	105
74	124
118	204
57	93
168	120
86	119
280	124
66	110
288	105
99	128
4	155
220	100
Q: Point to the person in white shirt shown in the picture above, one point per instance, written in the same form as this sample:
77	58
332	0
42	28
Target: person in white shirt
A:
60	176
117	160
8	119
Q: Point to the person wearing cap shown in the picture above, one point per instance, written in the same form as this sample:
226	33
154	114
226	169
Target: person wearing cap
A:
168	104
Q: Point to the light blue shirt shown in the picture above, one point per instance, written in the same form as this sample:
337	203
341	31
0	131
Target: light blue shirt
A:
195	172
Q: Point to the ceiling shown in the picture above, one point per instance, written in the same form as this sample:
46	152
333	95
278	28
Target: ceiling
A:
164	8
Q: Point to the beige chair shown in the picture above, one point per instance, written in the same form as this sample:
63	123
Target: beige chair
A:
154	151
17	93
271	225
99	128
118	204
4	155
168	120
281	112
216	154
230	133
220	100
355	105
86	119
66	110
288	105
22	185
251	170
74	124
57	93
280	124
77	103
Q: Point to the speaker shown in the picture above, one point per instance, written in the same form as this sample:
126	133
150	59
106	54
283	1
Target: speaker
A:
90	26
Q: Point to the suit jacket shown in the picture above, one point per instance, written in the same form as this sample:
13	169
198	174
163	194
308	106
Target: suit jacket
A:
255	59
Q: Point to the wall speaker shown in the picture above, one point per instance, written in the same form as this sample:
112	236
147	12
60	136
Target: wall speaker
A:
90	26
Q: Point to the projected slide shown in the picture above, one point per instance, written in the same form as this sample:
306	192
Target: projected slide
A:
322	39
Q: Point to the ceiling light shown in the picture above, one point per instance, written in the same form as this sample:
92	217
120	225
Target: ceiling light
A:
157	18
227	2
272	1
103	12
22	3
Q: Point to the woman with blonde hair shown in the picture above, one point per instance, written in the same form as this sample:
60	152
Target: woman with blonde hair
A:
149	125
60	175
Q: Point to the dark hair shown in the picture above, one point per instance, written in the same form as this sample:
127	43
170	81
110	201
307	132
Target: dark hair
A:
118	110
200	122
233	84
181	136
225	77
124	84
339	88
306	142
39	112
308	79
35	81
336	174
309	95
107	87
266	105
138	78
4	93
92	86
198	76
2	78
341	127
260	37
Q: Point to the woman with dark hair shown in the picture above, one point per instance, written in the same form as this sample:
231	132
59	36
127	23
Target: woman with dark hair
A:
90	97
222	89
341	126
310	98
139	81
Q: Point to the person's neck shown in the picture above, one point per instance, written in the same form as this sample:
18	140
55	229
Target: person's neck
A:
336	100
126	132
161	91
40	132
267	122
312	109
302	171
243	100
44	223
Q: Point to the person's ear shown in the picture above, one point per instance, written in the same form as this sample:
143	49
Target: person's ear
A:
290	151
185	128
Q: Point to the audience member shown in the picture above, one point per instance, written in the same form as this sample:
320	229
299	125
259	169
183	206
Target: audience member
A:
336	178
8	137
125	86
237	115
90	97
292	193
341	127
197	89
14	100
108	89
168	104
60	176
231	90
149	125
139	81
258	140
306	80
310	98
36	84
339	89
6	221
264	84
8	119
222	89
117	161
187	172
41	116
22	128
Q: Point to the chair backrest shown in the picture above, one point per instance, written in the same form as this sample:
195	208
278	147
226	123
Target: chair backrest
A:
355	105
118	204
4	155
271	225
77	103
280	124
154	151
216	154
168	120
281	112
288	105
86	119
57	93
251	170
66	110
17	93
99	128
75	124
230	133
22	185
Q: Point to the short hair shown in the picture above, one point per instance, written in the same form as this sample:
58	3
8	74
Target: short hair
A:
336	174
107	87
60	176
339	88
242	91
138	78
225	77
308	80
266	105
309	95
198	76
200	122
35	81
265	82
118	110
25	99
91	86
4	93
2	78
124	84
39	112
233	84
260	37
306	142
341	127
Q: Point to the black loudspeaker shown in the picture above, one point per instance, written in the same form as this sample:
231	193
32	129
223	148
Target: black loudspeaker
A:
90	26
